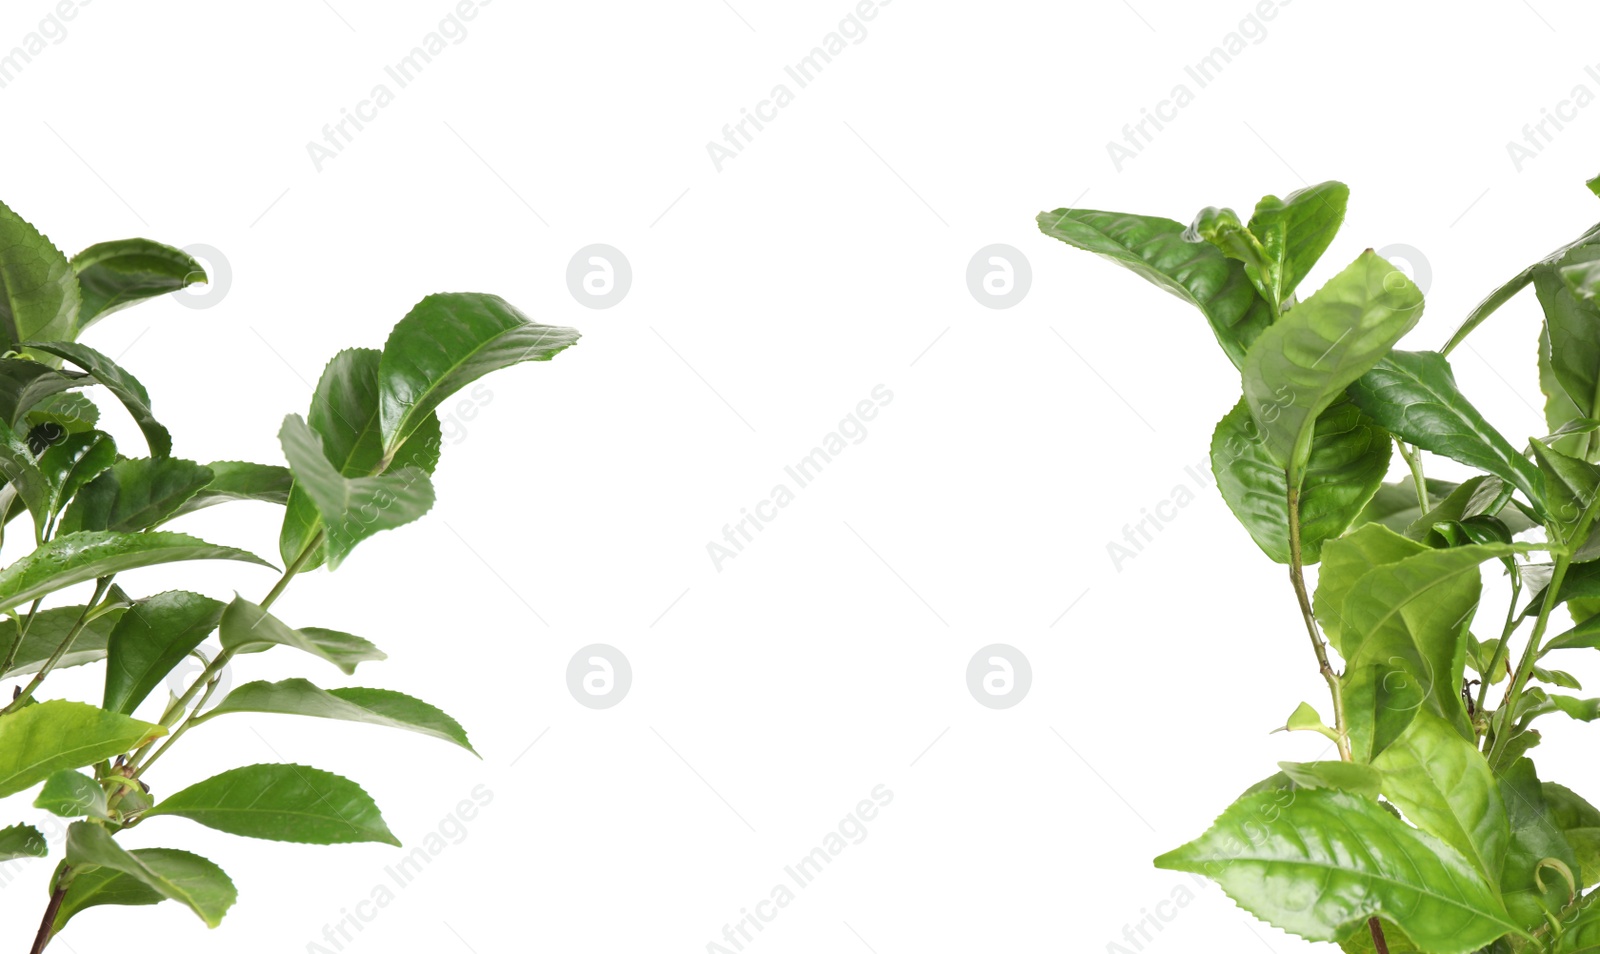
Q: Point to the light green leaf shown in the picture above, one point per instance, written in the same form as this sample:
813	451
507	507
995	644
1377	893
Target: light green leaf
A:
1571	486
71	794
372	706
150	640
119	382
1295	231
1223	230
281	803
50	628
135	494
115	275
22	841
1154	248
247	628
1559	410
1349	457
1443	785
1534	838
1304	362
1395	504
38	292
1579	823
1346	560
1328	861
445	343
1573	322
351	508
39	740
240	480
186	878
76	557
1350	777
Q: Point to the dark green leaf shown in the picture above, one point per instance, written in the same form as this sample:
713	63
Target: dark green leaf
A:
1349	457
150	640
39	740
119	382
1559	409
1154	248
1573	323
38	293
72	412
99	886
281	803
72	462
247	628
445	343
1328	860
135	494
114	275
240	480
183	877
22	841
24	383
50	628
76	557
19	467
372	706
1571	486
71	794
1535	836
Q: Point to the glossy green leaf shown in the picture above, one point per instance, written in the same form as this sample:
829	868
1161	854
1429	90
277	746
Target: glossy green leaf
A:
135	494
1296	230
352	508
115	275
19	467
240	480
1196	272
49	629
1350	777
98	886
38	292
39	740
247	628
1223	230
281	803
445	343
1320	866
1443	785
71	411
1413	395
185	878
344	414
1349	457
1579	823
1304	362
1559	409
76	557
1346	560
71	794
72	462
1535	837
22	841
1571	487
1573	323
25	383
372	706
151	639
120	383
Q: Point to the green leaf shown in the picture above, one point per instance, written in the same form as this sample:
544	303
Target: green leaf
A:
72	412
1295	231
1302	364
1559	409
50	628
1534	838
1395	504
72	462
1443	785
247	628
119	382
186	878
39	740
1350	777
372	706
351	508
1346	560
1570	489
1154	248
1328	861
1360	941
135	494
445	343
1349	457
24	383
1579	823
1582	581
1223	230
22	841
1305	719
75	557
100	886
1573	323
72	794
21	469
344	414
240	480
151	639
38	292
1472	498
281	803
114	275
1413	395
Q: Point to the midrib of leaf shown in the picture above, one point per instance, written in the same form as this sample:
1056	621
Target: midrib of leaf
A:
1395	610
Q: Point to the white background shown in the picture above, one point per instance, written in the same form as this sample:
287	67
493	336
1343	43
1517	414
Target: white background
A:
768	299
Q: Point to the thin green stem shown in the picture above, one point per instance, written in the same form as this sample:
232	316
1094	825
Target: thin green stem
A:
1501	649
22	633
101	585
1413	458
1298	580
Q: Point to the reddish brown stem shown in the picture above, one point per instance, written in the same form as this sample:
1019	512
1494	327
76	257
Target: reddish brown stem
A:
1378	942
47	926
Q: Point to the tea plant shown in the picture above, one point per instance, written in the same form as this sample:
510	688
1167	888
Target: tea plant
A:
359	462
1430	830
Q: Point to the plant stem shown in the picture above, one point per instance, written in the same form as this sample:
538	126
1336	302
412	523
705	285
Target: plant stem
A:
47	925
101	585
1298	579
1500	651
22	633
1413	460
1378	941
